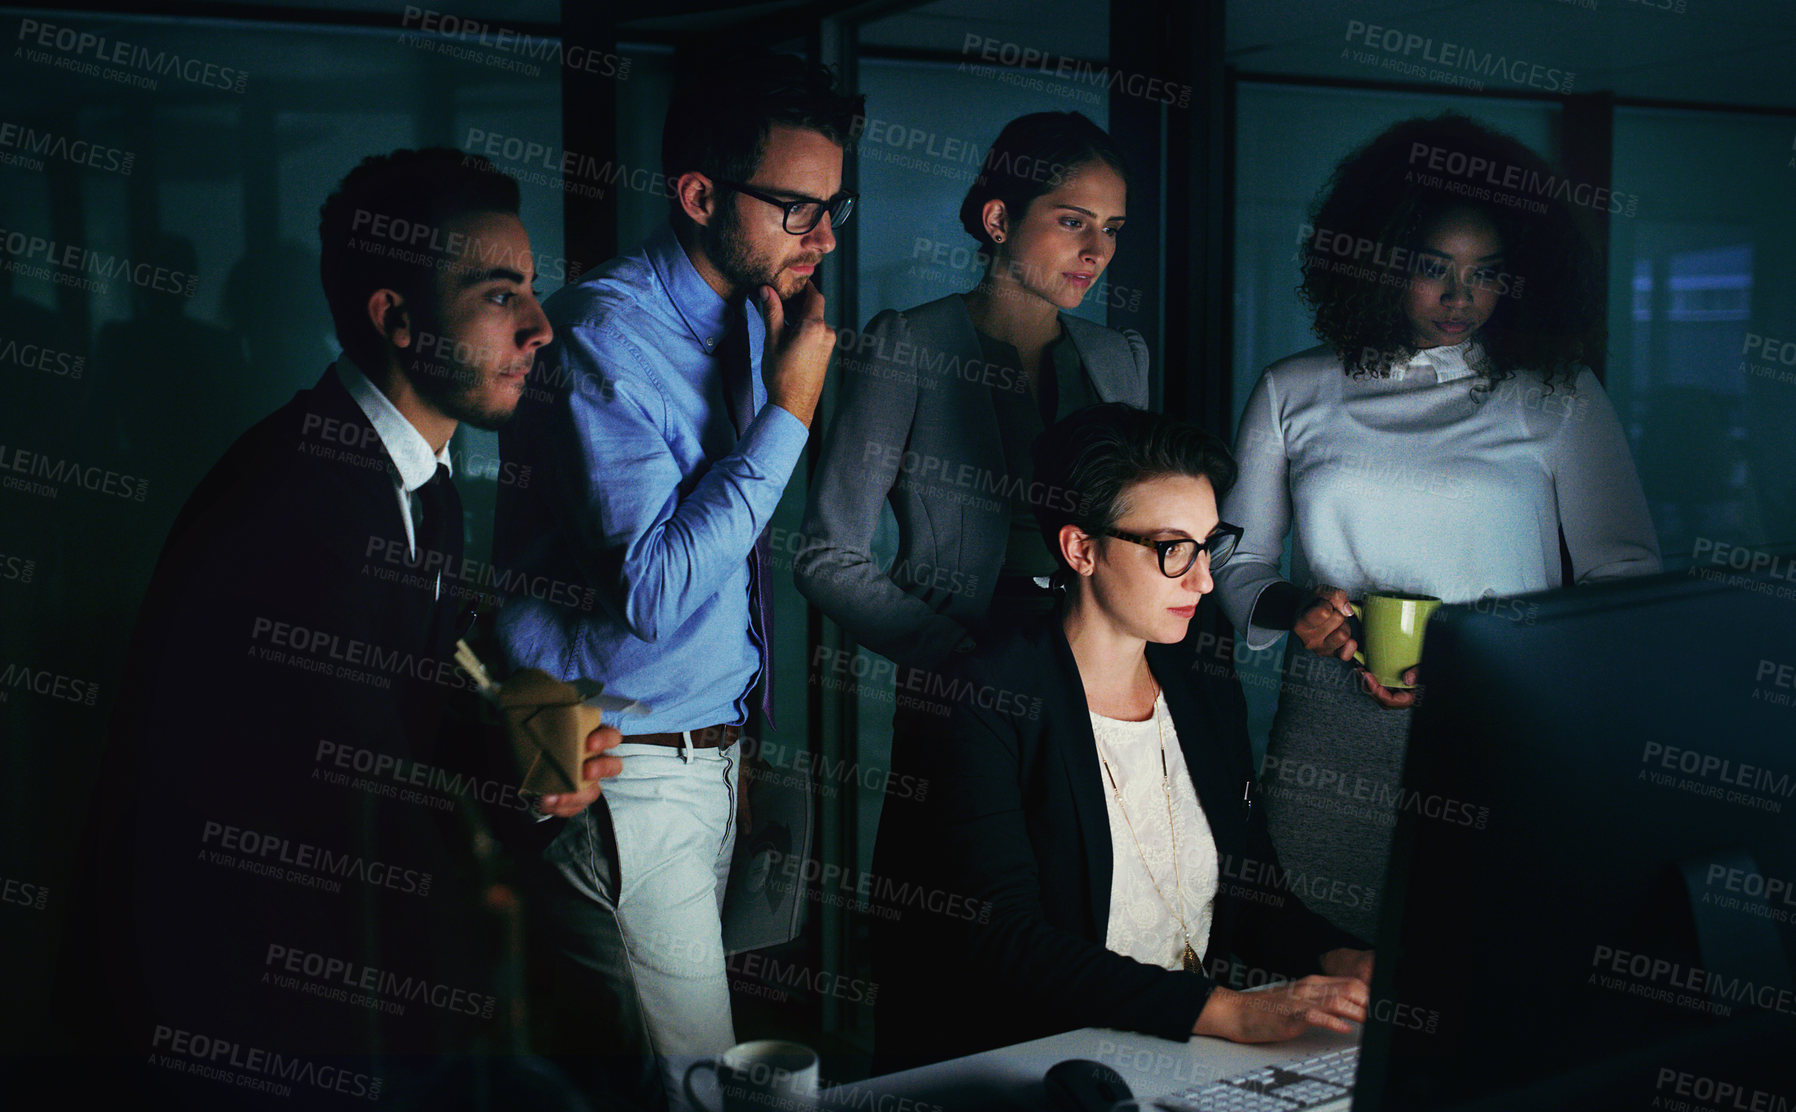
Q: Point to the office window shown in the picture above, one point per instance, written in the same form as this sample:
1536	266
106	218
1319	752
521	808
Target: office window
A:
1698	369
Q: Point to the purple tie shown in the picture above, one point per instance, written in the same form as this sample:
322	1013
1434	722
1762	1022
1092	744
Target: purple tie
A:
739	397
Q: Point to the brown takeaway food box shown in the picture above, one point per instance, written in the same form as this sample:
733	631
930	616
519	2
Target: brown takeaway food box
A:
548	723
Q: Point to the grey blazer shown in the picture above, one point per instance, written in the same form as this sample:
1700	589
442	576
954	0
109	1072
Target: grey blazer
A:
915	425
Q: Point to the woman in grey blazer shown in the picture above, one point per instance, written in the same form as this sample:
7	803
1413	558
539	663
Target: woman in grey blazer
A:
940	406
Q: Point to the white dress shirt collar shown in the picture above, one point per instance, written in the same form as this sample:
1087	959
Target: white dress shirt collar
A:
405	445
1446	363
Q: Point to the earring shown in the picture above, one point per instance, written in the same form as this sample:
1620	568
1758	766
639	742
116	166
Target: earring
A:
997	237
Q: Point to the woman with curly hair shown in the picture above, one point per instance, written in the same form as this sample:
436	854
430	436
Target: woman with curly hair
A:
1441	441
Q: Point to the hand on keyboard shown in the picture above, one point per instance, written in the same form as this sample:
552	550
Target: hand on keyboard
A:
1348	963
1284	1011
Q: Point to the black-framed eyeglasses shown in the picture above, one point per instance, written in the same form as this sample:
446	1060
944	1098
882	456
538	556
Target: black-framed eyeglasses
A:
1178	554
801	216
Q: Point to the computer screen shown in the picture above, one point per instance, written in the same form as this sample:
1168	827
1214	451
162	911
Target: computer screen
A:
1592	891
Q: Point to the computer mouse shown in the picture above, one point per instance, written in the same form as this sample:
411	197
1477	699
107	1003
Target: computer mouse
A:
1081	1085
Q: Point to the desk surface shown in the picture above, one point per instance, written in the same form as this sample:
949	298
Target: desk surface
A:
1010	1077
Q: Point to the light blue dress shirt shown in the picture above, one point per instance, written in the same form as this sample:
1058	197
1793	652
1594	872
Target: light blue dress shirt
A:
638	488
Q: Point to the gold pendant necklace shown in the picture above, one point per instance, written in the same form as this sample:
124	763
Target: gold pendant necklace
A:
1187	956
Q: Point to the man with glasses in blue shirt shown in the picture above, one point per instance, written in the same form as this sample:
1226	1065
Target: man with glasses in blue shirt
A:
673	408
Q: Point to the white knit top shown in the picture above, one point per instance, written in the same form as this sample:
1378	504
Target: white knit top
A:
1419	483
1142	926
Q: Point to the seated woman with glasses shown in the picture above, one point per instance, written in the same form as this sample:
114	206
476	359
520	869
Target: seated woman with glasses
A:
1081	846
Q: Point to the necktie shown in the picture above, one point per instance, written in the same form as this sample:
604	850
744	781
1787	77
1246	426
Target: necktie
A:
739	399
437	526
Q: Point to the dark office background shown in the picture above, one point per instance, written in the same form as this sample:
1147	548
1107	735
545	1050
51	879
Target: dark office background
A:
214	170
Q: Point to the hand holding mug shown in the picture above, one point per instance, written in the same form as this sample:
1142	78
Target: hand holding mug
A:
1393	624
1394	699
1323	625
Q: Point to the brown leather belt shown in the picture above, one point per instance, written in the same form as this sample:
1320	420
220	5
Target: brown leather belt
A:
711	737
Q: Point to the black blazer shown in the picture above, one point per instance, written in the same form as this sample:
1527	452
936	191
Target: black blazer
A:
998	865
283	694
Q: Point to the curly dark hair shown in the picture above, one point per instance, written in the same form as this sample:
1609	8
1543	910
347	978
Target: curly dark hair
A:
1384	198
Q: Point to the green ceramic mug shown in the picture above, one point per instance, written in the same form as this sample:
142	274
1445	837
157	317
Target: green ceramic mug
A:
1391	626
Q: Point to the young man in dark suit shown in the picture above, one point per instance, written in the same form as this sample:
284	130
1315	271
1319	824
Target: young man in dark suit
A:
286	872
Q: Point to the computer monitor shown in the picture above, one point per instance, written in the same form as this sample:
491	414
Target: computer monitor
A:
1592	891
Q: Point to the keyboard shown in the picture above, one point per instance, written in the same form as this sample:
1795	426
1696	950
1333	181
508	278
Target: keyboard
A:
1291	1087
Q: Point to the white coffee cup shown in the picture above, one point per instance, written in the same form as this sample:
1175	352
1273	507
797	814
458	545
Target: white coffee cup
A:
768	1075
